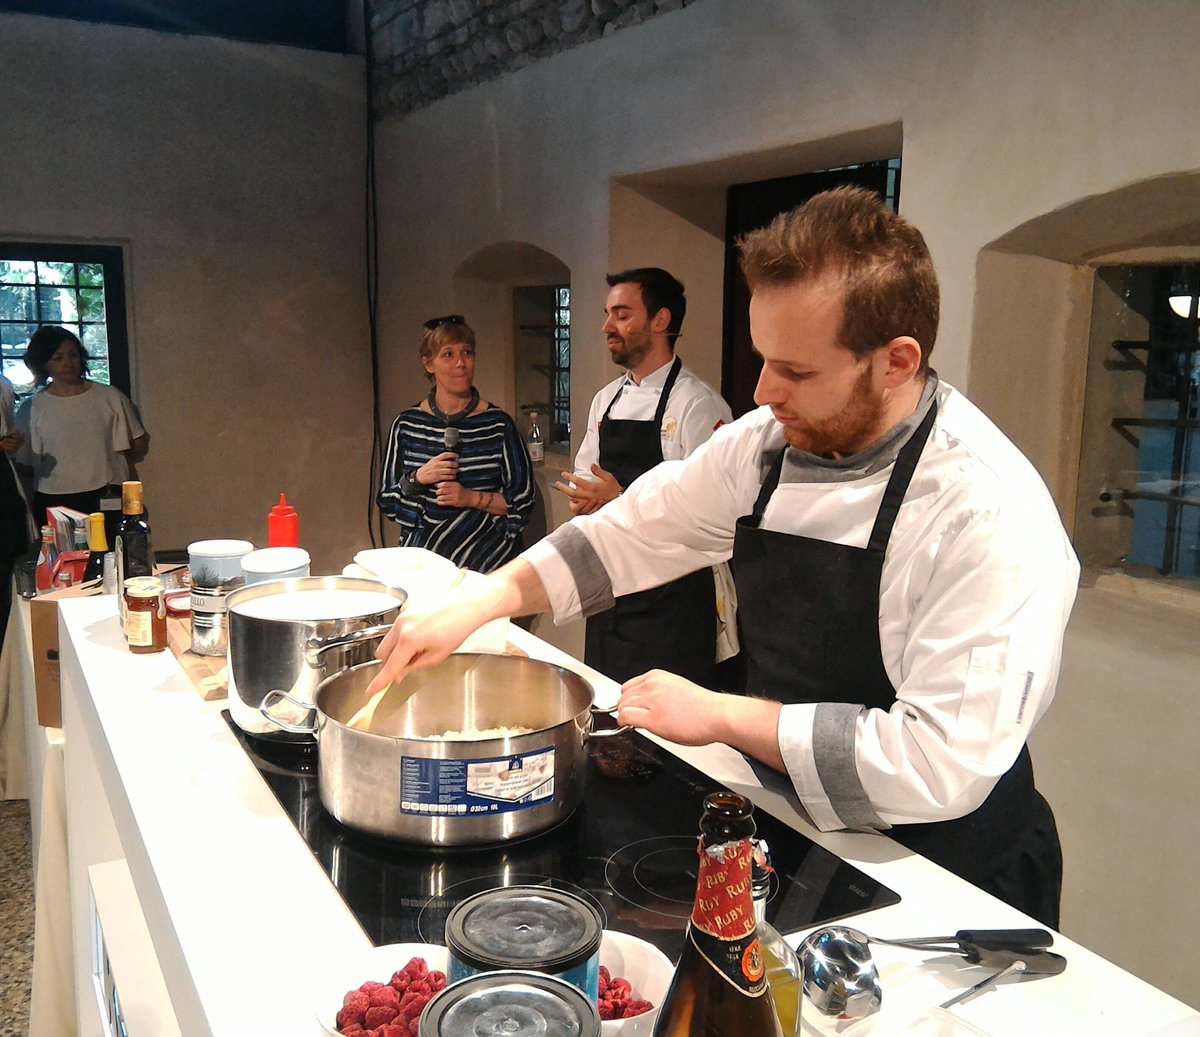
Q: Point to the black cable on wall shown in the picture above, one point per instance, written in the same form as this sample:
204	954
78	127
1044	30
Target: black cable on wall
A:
371	243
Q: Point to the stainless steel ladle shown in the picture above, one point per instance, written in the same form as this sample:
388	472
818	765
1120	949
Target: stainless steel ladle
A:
840	977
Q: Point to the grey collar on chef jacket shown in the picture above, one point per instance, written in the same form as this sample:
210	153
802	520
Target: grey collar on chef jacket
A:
799	466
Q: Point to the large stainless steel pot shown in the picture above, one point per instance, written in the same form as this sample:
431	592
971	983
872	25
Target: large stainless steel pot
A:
412	783
293	654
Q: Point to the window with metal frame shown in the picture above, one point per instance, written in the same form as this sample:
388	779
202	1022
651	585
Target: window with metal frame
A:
79	287
1139	500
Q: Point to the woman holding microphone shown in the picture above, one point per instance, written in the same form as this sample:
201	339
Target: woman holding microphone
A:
456	476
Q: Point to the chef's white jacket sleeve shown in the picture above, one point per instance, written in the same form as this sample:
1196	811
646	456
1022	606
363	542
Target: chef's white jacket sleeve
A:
973	653
676	518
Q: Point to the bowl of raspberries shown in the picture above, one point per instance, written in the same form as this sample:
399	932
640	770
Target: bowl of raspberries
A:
384	994
634	978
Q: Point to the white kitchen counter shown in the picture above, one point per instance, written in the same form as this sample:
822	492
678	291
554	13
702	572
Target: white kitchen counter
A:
244	922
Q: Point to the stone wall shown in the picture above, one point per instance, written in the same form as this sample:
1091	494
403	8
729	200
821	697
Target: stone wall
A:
427	49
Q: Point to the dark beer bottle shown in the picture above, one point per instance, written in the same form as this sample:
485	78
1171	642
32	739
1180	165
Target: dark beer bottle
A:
133	547
720	985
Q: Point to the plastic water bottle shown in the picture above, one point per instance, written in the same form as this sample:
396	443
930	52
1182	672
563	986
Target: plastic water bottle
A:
537	447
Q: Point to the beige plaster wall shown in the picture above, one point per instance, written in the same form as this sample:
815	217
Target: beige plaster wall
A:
1029	364
231	173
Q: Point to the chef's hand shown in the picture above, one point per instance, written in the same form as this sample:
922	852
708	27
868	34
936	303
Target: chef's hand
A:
674	708
588	495
423	635
442	468
11	441
455	495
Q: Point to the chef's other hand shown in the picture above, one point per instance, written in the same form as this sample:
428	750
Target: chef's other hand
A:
588	495
442	468
674	708
454	495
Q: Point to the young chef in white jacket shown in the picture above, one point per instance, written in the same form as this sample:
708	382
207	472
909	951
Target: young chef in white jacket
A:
903	574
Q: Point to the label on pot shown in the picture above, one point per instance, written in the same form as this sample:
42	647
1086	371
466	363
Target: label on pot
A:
489	786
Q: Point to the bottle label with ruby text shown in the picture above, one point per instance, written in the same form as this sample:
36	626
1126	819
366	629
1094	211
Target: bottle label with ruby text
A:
722	927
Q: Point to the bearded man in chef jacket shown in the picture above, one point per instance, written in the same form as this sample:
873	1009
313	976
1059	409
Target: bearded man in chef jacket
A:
658	410
903	574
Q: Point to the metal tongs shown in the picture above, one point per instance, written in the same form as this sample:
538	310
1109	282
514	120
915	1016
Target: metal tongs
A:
1009	951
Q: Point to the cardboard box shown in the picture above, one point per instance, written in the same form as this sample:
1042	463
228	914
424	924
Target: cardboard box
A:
43	622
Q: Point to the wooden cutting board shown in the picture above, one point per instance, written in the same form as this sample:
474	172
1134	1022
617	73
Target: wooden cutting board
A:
207	673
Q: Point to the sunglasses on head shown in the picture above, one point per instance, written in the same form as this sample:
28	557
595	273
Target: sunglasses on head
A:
437	322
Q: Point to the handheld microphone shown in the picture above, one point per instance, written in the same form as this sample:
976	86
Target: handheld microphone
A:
451	438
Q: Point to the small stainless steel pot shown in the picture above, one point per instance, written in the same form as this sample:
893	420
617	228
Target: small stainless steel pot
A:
414	784
295	655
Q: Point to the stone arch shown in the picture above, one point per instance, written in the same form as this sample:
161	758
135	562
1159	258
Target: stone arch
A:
1033	307
484	283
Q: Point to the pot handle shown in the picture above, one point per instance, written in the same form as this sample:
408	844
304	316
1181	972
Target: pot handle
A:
272	698
606	734
317	646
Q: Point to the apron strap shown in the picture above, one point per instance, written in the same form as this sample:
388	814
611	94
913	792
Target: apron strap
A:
768	488
893	496
897	487
662	400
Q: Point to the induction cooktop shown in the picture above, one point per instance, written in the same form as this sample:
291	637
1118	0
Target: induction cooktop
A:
630	849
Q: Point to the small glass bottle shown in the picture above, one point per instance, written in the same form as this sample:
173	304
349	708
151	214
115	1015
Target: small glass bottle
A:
47	566
784	975
97	544
145	615
537	447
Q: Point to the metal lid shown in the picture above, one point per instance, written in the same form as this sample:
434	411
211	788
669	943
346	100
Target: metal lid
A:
510	1002
143	587
524	927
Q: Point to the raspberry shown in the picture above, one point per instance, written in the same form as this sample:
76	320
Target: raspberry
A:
380	1016
417	968
606	1009
638	1006
436	981
383	996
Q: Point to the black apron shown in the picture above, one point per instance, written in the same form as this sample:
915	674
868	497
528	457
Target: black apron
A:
824	647
672	627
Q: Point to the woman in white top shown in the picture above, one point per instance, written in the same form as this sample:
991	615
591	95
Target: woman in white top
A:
81	437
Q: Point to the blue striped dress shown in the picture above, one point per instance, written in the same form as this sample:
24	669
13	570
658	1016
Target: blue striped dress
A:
491	459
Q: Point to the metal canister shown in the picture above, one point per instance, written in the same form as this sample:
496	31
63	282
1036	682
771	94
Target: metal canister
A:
531	928
216	569
510	1002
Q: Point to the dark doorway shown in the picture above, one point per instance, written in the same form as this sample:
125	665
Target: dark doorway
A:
750	206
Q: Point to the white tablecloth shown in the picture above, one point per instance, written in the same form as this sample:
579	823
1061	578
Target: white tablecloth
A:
16	674
31	767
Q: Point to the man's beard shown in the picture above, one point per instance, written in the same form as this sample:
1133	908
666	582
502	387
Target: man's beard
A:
854	428
632	350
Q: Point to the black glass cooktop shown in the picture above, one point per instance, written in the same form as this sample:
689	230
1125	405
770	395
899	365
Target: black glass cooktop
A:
630	849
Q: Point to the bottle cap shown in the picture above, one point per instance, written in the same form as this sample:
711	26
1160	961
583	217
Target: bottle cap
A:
97	538
131	498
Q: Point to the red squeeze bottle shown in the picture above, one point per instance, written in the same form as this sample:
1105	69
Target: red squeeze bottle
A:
283	525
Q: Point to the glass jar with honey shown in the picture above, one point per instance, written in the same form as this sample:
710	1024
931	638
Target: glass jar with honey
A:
145	615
